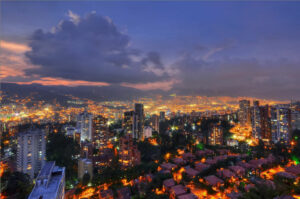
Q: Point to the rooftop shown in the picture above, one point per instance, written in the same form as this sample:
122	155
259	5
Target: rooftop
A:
48	188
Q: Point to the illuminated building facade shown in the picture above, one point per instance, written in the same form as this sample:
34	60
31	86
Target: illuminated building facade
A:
100	130
31	151
84	126
244	113
265	123
295	116
215	135
138	121
86	150
129	155
256	121
155	122
128	122
281	124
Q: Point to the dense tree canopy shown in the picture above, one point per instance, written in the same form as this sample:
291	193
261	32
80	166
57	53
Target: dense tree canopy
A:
63	151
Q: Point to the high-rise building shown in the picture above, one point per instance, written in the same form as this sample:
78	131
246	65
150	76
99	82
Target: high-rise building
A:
215	135
147	132
281	124
128	122
155	122
138	120
86	150
50	183
245	113
70	132
100	130
265	123
129	155
84	126
31	151
295	116
162	116
256	121
85	166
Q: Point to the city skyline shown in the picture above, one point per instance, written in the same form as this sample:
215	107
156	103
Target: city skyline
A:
161	47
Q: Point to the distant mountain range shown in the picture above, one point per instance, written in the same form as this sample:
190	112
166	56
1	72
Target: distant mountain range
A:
62	93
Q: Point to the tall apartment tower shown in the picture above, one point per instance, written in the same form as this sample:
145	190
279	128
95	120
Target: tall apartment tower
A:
155	122
215	136
245	113
265	123
162	116
281	124
129	155
84	126
138	120
295	115
256	121
31	150
100	131
128	122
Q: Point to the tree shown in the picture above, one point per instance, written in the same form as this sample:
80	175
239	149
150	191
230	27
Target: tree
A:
63	151
260	192
148	151
86	179
18	185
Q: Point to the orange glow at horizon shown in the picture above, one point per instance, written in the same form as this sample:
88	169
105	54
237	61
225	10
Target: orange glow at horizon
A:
14	47
50	81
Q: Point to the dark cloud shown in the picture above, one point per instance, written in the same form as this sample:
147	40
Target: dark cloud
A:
238	77
92	49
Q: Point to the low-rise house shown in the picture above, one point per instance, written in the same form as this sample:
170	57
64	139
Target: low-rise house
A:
211	161
286	175
187	196
225	173
258	163
191	172
245	165
213	181
201	167
221	157
124	193
106	194
176	191
167	184
205	152
238	170
179	161
168	166
293	169
223	151
188	156
234	195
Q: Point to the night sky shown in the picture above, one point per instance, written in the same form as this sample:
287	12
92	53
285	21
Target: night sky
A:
187	48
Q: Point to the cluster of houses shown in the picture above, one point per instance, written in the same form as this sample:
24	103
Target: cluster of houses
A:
237	172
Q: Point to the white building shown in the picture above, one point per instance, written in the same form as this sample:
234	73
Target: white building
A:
281	124
84	126
147	133
50	183
70	132
31	150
